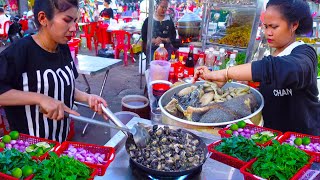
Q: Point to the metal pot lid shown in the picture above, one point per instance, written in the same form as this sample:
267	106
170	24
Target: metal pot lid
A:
190	17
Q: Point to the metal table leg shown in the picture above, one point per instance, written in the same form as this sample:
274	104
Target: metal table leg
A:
100	94
141	69
88	89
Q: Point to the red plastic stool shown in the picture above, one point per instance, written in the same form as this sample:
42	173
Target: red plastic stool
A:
103	37
121	40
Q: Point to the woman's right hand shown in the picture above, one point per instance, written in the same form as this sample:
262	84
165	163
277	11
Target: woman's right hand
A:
215	76
54	109
157	41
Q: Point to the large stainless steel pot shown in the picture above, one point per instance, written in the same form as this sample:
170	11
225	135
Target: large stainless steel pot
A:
167	118
189	25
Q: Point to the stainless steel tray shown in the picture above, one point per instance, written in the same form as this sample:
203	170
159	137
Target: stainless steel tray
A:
120	169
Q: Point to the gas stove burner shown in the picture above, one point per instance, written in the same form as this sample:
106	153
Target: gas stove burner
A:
143	175
188	39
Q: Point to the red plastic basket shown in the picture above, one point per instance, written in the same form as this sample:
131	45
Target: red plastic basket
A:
224	158
109	152
34	140
8	177
314	139
257	129
249	176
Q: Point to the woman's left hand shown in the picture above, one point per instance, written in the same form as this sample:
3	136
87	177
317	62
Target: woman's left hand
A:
94	102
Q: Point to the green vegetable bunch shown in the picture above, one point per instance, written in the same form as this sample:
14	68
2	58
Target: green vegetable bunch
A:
11	159
63	168
239	147
240	58
279	161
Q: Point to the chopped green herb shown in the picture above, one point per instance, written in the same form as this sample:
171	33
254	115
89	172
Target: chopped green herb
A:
62	168
239	147
279	161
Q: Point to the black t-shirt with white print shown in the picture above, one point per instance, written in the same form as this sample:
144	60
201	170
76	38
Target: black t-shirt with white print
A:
27	67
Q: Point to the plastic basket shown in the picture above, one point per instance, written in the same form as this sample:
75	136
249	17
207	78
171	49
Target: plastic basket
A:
314	139
248	176
257	129
109	153
8	177
224	158
35	140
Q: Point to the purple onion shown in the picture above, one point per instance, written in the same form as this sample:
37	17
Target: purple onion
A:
8	146
252	132
16	146
13	142
235	133
243	134
103	156
240	130
20	142
246	130
100	159
26	144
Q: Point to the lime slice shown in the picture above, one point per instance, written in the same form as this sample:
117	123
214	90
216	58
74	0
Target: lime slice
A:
255	136
267	133
29	149
43	145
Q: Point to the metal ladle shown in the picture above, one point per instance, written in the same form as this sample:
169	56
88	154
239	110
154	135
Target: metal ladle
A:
139	133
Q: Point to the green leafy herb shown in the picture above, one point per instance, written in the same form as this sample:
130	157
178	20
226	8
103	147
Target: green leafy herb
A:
239	147
279	161
240	58
63	168
12	158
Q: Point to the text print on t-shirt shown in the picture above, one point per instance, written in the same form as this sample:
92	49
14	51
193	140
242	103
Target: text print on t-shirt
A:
282	92
58	81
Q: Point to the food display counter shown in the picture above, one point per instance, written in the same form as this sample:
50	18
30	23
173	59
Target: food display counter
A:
120	168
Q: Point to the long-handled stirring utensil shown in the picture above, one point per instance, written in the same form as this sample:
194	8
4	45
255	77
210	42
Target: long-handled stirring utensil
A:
140	135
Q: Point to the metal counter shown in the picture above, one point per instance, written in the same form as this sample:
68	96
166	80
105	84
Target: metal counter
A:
119	169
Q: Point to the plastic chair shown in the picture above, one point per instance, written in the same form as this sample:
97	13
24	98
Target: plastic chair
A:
127	19
5	27
103	37
121	40
89	33
24	24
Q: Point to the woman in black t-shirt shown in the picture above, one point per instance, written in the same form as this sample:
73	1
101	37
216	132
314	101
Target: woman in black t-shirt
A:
164	30
37	74
107	12
288	77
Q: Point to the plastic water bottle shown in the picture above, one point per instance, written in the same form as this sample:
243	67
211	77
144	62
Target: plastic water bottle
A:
161	53
210	59
232	61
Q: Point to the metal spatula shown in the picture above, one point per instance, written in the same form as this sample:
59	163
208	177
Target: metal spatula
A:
140	135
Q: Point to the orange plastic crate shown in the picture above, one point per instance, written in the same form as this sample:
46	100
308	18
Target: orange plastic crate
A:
249	176
224	158
35	140
257	129
314	139
109	153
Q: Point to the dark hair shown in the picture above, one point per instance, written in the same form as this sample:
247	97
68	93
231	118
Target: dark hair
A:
1	10
295	11
107	1
159	1
48	7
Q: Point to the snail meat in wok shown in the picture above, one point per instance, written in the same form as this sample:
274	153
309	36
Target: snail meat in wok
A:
169	150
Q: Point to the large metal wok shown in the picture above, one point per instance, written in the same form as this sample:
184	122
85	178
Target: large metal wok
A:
158	173
130	141
167	118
